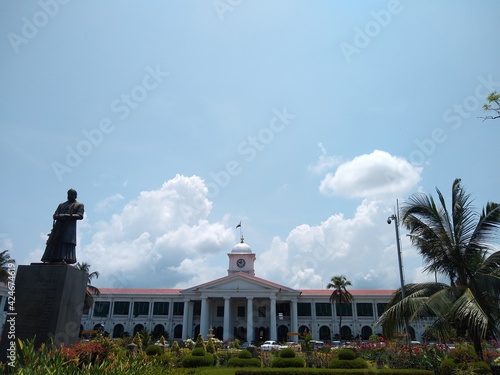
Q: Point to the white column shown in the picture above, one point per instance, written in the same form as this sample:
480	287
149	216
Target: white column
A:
293	319
204	317
228	332
185	320
249	319
272	329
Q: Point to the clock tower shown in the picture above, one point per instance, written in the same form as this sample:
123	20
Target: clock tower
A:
241	259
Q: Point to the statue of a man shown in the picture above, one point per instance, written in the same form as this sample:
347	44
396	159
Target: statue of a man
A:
61	243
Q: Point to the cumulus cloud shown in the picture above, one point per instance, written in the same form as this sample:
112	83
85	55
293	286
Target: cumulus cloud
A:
363	248
156	233
374	175
106	203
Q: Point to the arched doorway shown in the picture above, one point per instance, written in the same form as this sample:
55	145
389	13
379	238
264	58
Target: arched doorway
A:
118	331
158	331
138	328
261	334
219	332
240	333
178	331
325	333
412	332
303	330
366	332
346	333
282	333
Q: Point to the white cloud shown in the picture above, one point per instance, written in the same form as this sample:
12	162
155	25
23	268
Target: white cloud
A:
154	234
106	203
324	161
376	175
363	248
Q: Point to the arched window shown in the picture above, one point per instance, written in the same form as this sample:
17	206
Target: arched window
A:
138	328
325	333
178	331
366	332
118	331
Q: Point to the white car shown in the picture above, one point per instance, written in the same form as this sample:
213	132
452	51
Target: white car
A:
270	345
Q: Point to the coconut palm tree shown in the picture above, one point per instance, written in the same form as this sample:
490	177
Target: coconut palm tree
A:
461	246
91	290
5	260
340	295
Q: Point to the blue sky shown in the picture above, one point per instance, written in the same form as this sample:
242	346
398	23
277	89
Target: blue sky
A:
306	121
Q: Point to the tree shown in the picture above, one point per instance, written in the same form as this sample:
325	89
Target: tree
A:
459	245
340	295
492	105
5	260
91	290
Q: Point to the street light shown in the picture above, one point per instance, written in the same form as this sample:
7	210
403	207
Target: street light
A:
401	276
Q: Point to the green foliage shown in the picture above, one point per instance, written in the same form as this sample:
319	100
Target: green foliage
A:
211	346
287	353
346	354
191	361
449	366
198	352
243	362
138	341
244	354
348	363
463	353
154	350
200	343
175	348
281	362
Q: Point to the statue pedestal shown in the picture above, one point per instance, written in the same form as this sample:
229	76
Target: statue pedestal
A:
48	305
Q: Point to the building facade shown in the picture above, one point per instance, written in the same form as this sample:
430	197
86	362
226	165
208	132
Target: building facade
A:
238	306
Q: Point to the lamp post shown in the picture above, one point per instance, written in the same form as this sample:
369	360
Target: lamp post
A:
401	276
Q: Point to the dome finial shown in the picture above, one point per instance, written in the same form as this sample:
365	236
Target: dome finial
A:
242	240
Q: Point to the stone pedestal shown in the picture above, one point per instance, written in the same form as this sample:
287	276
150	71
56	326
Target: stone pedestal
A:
48	305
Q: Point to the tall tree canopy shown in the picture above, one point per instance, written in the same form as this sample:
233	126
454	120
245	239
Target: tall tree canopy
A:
340	295
493	105
461	245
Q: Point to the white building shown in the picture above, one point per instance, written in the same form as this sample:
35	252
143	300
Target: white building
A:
239	305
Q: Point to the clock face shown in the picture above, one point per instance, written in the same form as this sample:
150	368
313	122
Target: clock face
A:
240	263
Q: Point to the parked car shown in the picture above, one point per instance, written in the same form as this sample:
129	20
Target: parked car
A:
246	344
270	345
317	345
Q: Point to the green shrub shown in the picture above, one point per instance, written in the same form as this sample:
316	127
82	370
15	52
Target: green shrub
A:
463	353
244	354
175	348
243	362
480	367
211	346
348	363
191	361
346	354
450	366
154	350
281	362
287	353
198	352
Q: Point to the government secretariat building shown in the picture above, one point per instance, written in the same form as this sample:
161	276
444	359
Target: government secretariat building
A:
238	306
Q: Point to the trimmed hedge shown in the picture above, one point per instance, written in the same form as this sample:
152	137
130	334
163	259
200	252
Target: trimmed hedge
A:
281	362
348	363
245	354
287	353
190	361
309	371
449	366
154	350
198	352
346	354
244	362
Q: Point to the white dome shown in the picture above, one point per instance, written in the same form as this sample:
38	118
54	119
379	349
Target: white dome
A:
241	248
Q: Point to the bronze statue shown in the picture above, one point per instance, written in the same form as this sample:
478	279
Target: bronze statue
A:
61	243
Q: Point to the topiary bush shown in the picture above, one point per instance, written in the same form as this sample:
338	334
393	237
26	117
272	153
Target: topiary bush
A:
280	362
191	361
198	352
348	363
243	362
287	353
154	350
346	354
244	354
